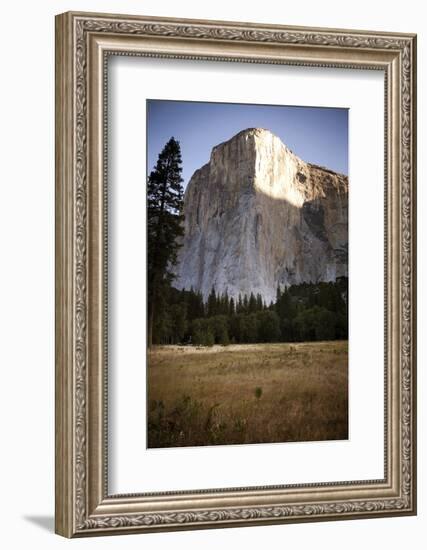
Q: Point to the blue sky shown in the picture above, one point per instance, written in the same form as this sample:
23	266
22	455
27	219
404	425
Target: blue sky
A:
316	134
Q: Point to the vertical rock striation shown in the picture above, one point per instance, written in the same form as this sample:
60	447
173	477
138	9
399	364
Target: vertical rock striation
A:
257	216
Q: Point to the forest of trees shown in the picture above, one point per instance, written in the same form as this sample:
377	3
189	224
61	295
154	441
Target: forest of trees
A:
304	312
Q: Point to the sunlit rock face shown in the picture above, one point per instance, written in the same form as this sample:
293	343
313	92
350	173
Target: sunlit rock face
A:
257	216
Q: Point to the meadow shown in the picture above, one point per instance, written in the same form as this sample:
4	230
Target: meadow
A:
247	393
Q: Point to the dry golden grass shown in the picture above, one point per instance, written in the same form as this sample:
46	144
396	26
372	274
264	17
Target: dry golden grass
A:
261	393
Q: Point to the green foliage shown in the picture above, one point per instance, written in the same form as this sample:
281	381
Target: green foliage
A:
164	227
178	315
202	333
316	323
268	326
313	311
306	312
220	329
248	328
210	331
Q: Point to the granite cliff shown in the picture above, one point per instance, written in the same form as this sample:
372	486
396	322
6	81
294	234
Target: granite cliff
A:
257	216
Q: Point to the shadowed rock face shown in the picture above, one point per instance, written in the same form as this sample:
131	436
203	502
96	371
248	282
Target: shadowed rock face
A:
257	216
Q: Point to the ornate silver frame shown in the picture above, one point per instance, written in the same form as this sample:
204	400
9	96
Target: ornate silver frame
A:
83	42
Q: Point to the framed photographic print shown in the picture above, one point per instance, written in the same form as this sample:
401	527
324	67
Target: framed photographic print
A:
235	274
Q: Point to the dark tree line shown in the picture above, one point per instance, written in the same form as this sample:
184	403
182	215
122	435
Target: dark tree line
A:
304	312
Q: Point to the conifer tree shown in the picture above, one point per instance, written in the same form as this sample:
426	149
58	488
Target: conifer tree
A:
212	303
252	306
239	307
164	226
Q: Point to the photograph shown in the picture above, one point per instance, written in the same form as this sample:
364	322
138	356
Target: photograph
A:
247	273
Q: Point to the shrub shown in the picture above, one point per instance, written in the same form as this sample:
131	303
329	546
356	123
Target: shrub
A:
268	326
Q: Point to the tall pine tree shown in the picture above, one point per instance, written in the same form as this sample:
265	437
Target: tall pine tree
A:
164	226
